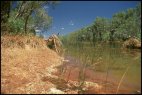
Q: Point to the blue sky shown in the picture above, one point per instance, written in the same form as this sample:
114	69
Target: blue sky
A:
69	16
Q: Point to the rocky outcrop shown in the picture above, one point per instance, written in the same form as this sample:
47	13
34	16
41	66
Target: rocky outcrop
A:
132	43
53	42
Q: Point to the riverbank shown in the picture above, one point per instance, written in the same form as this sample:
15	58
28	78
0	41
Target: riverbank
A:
22	70
29	67
97	80
24	65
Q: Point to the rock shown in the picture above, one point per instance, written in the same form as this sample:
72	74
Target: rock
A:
53	42
132	43
65	60
138	92
72	92
55	91
92	84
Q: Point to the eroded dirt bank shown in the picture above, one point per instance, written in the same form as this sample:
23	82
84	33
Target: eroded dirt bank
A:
24	62
44	72
35	70
22	70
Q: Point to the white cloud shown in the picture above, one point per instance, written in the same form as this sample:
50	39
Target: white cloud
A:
62	28
46	7
71	23
38	30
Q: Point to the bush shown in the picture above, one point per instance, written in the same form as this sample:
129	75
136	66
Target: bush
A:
16	25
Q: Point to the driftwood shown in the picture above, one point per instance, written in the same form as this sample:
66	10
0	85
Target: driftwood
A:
132	43
53	42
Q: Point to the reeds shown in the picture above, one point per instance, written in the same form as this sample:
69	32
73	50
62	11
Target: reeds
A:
122	78
113	58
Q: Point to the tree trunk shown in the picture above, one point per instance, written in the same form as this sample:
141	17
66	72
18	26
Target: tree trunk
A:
94	38
5	10
19	10
100	36
27	17
26	22
111	35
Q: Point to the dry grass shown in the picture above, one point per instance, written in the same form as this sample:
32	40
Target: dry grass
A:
25	60
18	41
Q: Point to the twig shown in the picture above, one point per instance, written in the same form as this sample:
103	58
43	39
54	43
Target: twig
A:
69	75
107	75
122	79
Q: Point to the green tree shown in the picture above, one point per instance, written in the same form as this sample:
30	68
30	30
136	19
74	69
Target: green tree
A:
119	27
31	13
5	11
101	27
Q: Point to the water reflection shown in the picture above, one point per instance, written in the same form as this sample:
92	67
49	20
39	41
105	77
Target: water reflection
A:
110	58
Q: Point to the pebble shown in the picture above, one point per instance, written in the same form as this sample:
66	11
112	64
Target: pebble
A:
55	91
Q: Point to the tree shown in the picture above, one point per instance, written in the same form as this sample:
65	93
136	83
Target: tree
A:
5	11
42	20
121	26
100	27
35	10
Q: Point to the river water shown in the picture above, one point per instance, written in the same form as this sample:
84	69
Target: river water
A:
108	64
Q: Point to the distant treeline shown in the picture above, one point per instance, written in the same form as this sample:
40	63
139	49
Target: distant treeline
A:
121	26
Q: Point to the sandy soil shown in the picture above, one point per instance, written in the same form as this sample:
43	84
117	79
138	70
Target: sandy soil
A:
22	70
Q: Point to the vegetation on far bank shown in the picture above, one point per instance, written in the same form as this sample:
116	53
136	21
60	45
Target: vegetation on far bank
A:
120	27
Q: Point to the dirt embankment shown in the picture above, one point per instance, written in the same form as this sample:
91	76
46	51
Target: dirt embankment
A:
29	67
24	62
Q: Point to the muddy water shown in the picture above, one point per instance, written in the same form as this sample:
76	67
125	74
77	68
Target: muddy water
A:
104	64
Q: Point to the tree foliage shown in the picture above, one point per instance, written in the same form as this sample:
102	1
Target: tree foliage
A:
121	26
24	16
5	11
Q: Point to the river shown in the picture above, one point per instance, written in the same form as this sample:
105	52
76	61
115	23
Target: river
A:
108	64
